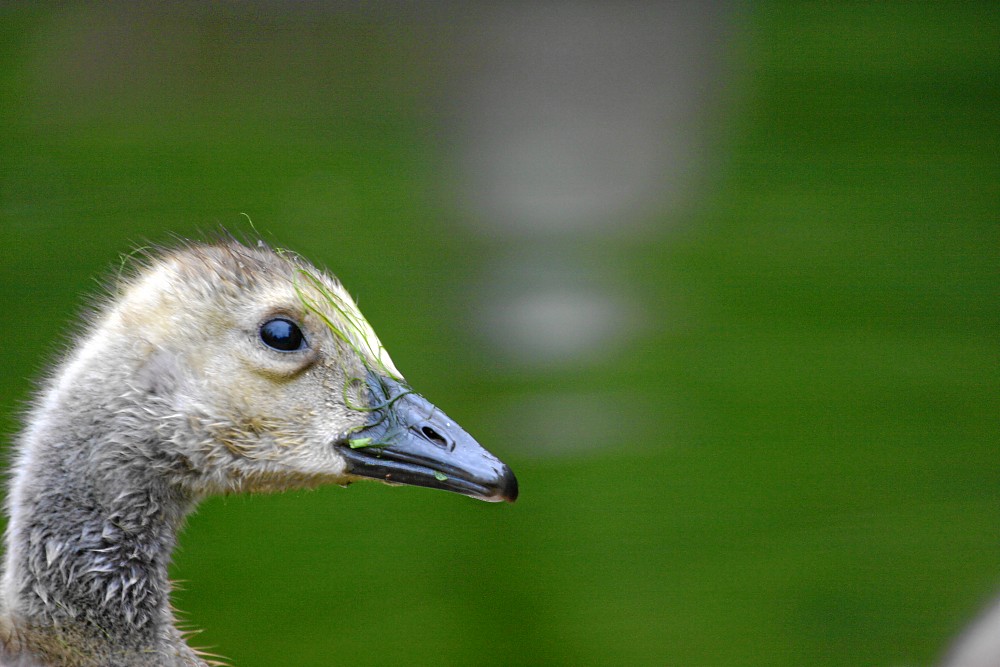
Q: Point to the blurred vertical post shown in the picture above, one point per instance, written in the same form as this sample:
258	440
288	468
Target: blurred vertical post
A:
577	130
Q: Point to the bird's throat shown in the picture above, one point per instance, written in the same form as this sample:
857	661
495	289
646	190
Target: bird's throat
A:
87	554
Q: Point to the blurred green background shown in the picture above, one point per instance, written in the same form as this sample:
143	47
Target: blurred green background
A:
790	459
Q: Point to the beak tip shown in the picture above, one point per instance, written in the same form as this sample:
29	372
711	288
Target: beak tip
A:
508	485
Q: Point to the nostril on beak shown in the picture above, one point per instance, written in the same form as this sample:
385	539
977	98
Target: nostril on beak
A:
436	438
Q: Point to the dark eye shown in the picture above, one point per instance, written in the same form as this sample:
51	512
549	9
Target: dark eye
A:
283	335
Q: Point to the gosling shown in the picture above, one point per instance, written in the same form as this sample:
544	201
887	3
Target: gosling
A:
217	368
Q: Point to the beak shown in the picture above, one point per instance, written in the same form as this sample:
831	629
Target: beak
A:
409	441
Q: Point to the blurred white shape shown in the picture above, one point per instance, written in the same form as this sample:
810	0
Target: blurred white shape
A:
979	646
584	116
557	325
573	423
577	123
544	308
582	173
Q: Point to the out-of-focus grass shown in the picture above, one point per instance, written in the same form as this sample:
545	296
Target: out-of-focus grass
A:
810	475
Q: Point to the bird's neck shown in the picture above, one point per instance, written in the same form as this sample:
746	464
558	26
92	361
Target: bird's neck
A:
88	544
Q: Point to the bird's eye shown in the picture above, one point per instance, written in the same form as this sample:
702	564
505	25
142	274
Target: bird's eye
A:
282	335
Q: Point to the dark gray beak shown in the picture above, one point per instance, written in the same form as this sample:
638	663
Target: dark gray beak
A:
409	441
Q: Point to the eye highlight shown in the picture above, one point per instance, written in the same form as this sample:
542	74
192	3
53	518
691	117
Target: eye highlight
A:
282	335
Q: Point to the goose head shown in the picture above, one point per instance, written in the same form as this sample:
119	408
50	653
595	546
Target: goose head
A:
260	374
215	368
